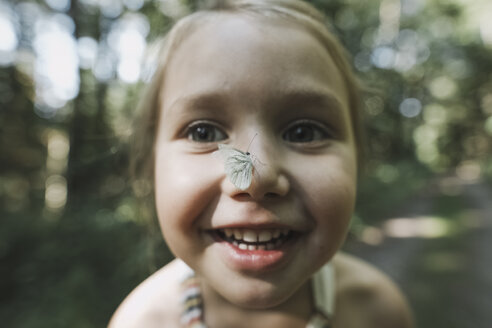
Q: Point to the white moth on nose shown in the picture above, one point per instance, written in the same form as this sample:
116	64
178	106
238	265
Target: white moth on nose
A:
238	165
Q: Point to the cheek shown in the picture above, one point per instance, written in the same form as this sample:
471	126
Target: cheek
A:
331	182
184	187
331	200
333	205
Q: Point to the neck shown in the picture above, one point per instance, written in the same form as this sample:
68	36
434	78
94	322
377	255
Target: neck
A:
292	313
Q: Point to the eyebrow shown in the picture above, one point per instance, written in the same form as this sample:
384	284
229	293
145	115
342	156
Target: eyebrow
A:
202	100
311	97
289	98
312	100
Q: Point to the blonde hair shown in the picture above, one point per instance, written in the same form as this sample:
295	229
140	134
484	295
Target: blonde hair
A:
293	11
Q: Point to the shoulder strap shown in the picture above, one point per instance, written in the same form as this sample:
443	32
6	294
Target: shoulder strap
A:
324	290
191	298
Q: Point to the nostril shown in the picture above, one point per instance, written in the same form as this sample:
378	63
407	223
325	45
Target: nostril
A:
247	196
242	196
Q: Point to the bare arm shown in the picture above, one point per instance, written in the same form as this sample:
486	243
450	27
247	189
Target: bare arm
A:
154	303
366	298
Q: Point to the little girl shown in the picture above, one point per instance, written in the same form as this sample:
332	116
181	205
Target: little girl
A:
256	230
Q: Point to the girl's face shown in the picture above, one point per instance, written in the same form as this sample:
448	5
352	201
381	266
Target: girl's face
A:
231	79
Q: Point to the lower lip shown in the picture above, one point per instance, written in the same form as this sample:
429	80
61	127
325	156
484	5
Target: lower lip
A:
254	260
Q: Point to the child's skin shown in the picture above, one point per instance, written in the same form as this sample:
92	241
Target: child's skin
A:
230	80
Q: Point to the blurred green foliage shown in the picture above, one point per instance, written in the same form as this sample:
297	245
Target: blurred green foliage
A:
73	240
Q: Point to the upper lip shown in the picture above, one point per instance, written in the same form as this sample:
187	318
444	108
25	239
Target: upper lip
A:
256	217
257	226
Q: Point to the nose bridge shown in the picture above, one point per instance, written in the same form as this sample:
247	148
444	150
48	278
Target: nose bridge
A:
261	145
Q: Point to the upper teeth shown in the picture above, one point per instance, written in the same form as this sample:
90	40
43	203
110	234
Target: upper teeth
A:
253	236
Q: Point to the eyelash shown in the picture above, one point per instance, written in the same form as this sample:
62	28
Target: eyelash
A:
195	126
317	132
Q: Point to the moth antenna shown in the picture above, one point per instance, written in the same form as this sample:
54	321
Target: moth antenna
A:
247	149
256	160
256	173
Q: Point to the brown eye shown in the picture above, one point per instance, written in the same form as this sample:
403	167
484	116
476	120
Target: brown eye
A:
305	132
205	132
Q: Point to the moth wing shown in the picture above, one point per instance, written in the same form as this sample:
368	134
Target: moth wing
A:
240	174
225	152
238	166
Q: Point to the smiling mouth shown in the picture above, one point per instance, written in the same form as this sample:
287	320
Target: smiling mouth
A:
254	240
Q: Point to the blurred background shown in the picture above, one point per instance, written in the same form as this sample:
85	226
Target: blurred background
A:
73	241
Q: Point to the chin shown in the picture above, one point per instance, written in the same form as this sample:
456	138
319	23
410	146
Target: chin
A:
259	302
263	295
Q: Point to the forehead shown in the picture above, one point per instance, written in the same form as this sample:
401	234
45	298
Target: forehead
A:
251	56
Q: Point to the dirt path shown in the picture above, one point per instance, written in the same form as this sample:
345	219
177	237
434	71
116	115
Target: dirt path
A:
448	278
475	291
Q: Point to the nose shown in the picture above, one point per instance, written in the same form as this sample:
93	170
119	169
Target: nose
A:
269	176
268	181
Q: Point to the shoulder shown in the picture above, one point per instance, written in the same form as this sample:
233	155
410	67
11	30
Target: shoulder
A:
366	297
153	303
